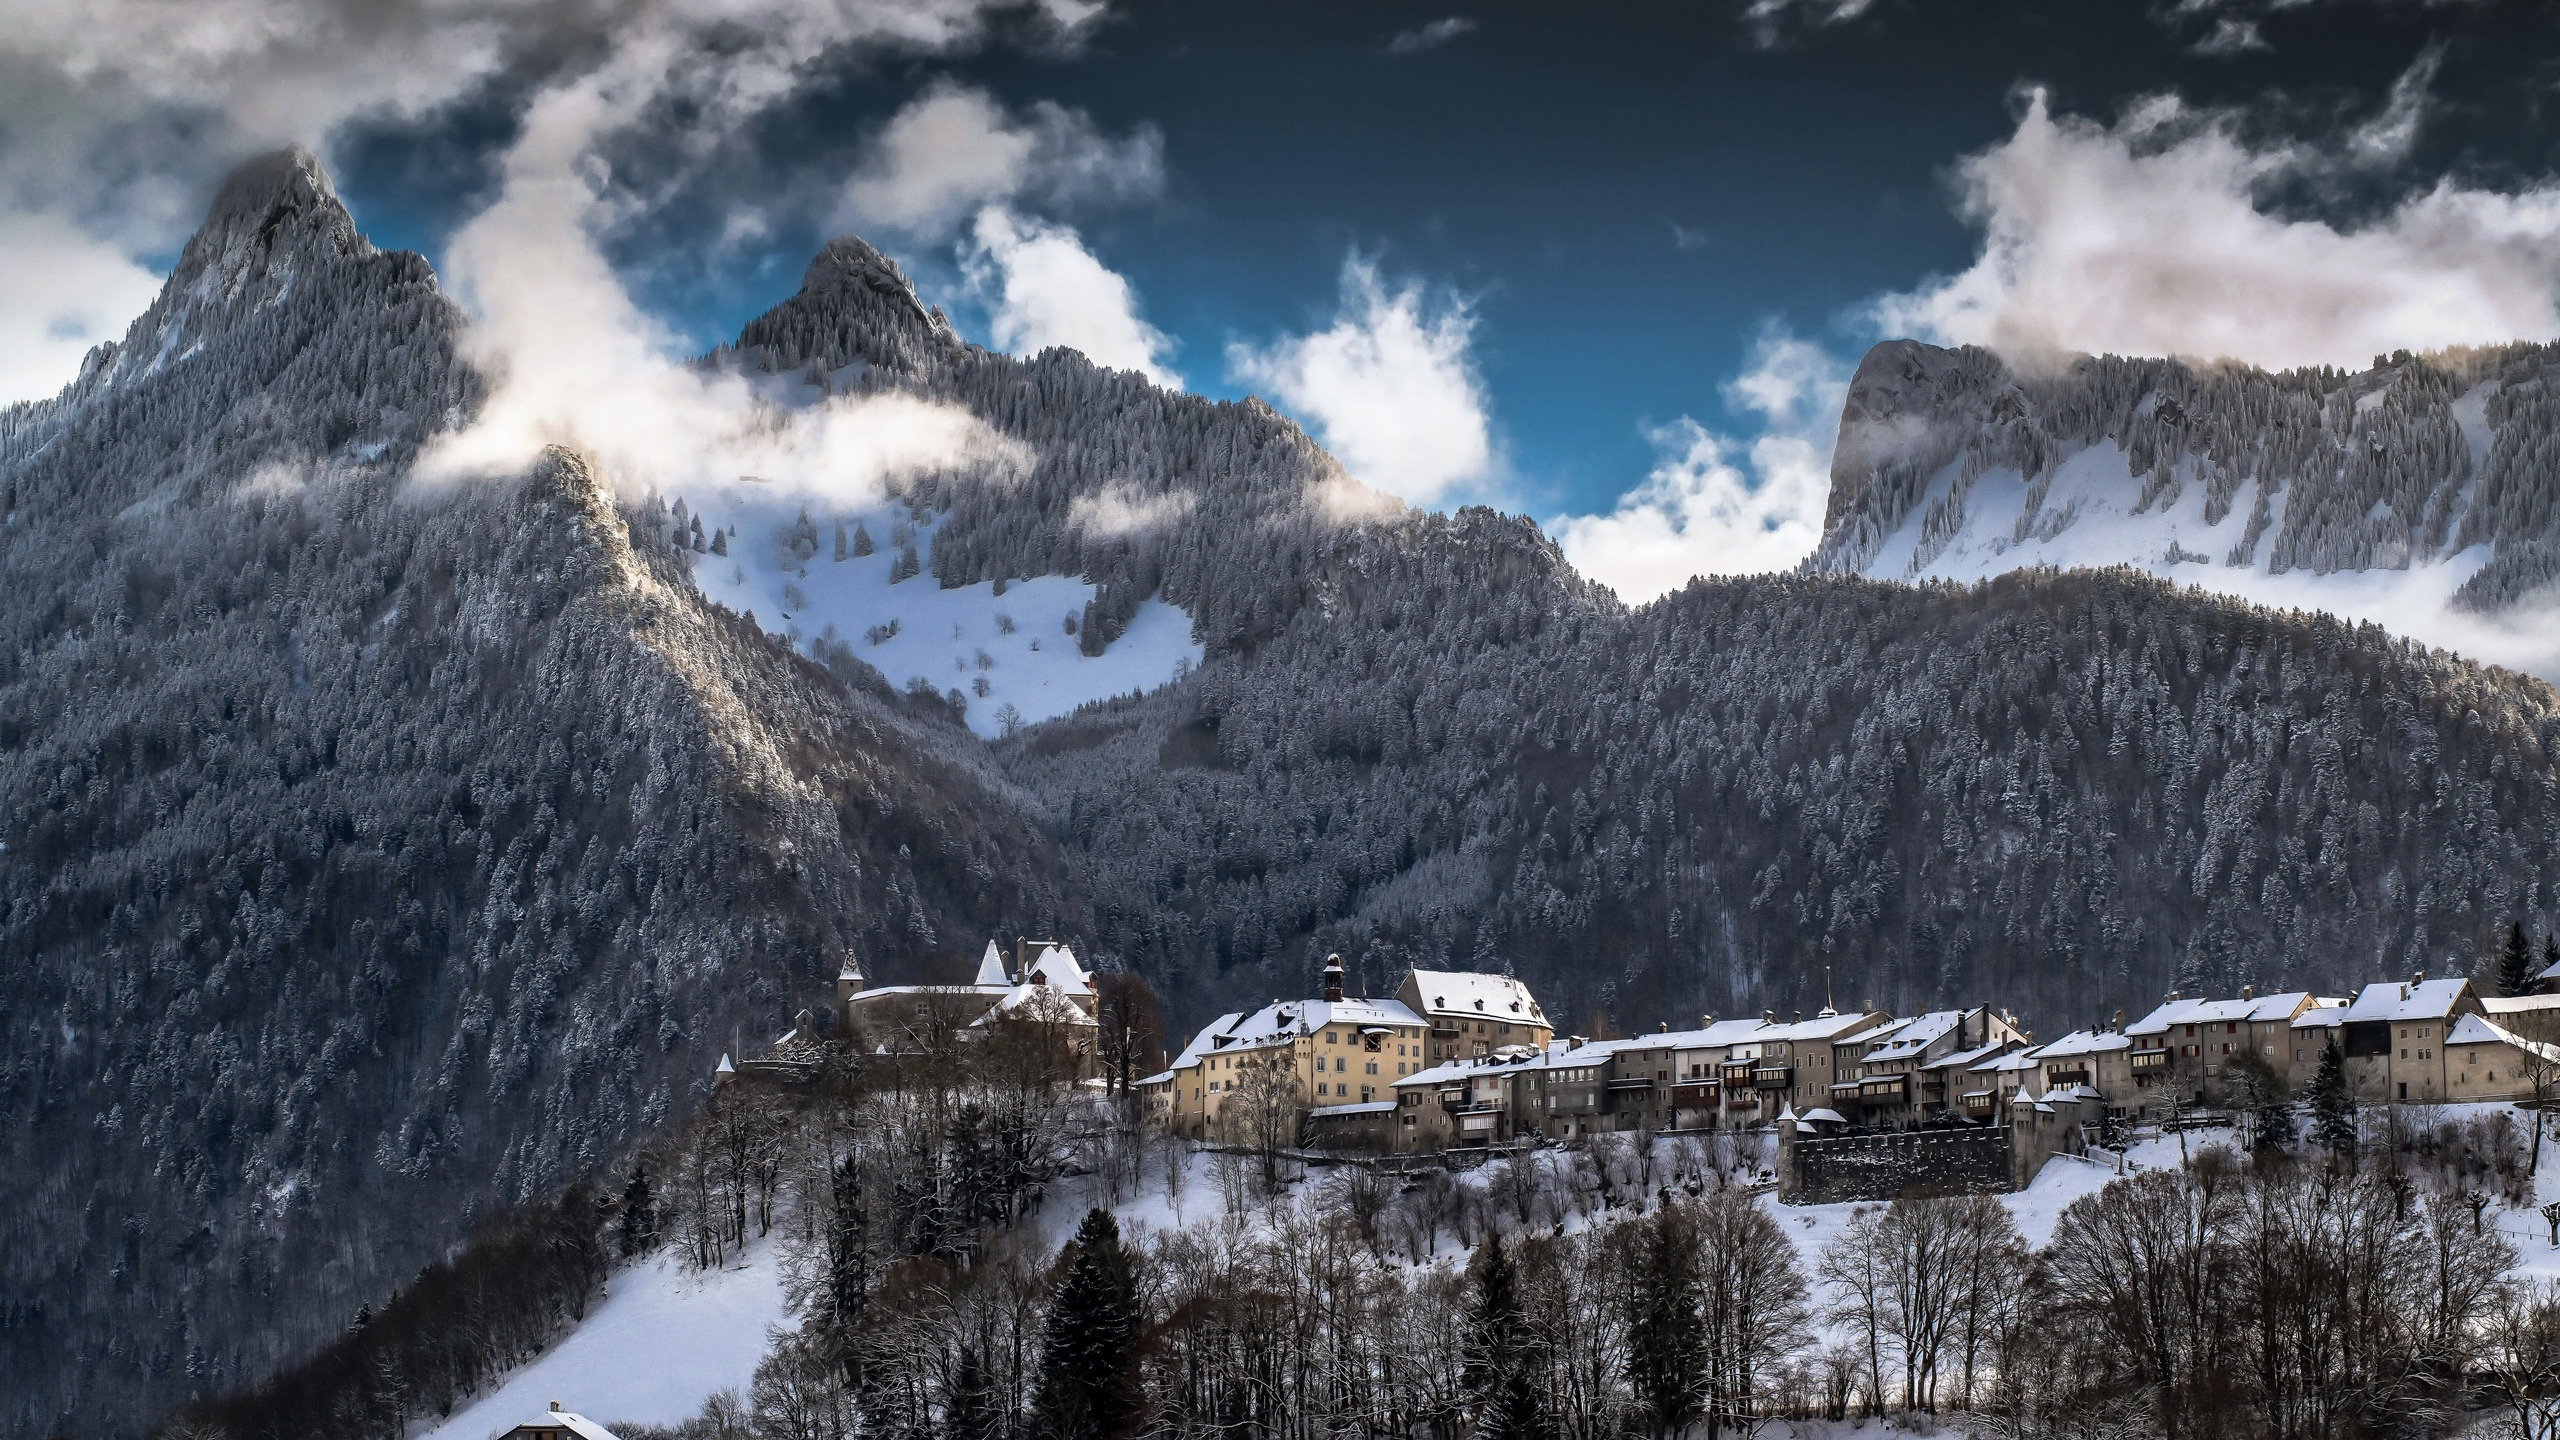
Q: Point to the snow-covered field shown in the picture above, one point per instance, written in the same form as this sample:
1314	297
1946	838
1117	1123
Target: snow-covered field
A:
663	1341
1017	643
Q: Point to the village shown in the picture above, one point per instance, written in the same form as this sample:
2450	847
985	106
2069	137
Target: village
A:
1809	1222
1858	1103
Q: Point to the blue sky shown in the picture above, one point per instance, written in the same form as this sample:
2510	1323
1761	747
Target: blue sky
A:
1602	216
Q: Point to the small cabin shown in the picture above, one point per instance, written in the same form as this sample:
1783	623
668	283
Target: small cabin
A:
559	1424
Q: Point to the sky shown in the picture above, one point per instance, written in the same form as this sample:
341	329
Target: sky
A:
1606	265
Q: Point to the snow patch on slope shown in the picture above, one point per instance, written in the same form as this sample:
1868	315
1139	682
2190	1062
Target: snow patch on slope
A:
2086	519
663	1340
954	638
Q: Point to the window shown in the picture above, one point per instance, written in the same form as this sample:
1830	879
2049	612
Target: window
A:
1373	1067
2404	1054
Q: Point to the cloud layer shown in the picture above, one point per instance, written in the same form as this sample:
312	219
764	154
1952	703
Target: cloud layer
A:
2147	238
954	150
1042	287
575	359
1388	387
1718	504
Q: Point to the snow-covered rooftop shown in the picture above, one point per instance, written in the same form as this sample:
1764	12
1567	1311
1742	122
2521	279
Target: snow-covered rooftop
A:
2406	1000
1283	1021
1966	1059
1365	1107
2083	1042
1476	996
2259	1009
1917	1034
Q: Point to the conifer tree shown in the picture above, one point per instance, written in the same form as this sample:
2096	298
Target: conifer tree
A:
862	544
1666	1366
2515	963
2333	1109
639	1229
969	1413
1495	1369
1088	1386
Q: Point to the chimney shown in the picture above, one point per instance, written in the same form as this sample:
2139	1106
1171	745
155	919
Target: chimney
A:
555	1407
1768	1017
1662	1027
1333	979
1799	1017
1706	1019
2248	992
2119	1022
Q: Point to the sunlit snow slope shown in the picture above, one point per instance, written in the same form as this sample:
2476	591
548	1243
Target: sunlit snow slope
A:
1012	650
662	1341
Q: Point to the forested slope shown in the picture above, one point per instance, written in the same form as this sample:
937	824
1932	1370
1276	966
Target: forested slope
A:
1423	738
375	856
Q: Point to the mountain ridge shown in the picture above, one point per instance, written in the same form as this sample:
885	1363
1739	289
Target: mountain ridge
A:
386	861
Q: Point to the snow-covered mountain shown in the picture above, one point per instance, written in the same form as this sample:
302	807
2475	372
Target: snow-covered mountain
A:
375	857
2424	489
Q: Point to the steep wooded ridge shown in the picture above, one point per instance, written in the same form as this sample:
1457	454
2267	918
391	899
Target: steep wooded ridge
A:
374	856
377	855
1423	739
1951	463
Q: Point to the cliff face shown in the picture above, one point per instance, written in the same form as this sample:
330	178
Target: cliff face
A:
1951	465
379	856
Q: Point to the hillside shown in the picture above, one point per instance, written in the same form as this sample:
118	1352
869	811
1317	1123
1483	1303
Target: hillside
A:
376	856
1421	738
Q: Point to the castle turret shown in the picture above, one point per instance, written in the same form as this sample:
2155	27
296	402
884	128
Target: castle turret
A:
849	983
1333	978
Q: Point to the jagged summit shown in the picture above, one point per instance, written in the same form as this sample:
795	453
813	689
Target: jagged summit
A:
854	306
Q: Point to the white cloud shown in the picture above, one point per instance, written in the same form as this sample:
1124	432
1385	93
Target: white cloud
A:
61	291
1121	508
1429	37
1042	287
1388	387
2146	238
576	361
953	150
1718	504
1770	20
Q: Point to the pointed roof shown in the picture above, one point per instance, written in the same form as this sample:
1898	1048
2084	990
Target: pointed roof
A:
991	968
1056	967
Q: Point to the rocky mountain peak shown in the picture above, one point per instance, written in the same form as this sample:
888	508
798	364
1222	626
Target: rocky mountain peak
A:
854	305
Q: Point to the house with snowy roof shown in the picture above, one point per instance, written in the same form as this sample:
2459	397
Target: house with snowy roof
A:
1338	1057
1052	988
2187	1046
1474	1014
2395	1035
1904	1069
559	1424
2485	1060
1794	1064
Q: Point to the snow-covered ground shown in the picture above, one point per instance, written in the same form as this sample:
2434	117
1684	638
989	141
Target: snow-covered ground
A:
2086	521
662	1341
1017	643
